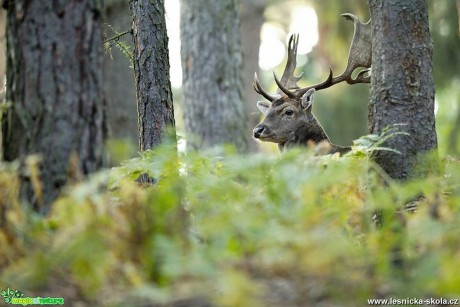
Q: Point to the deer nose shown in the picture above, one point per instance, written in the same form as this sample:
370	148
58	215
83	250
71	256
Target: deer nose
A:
258	131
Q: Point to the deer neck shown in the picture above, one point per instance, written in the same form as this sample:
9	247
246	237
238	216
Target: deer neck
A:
310	131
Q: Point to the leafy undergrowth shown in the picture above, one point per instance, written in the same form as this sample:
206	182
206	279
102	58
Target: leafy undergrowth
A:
220	229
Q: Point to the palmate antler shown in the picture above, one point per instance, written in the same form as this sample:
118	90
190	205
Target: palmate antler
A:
359	55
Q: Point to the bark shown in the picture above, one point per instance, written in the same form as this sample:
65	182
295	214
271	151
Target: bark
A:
151	71
211	63
119	86
54	75
402	88
252	19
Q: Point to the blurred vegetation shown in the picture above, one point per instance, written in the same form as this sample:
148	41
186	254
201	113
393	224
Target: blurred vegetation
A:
444	26
228	230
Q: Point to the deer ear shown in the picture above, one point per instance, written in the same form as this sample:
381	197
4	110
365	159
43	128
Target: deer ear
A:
307	99
263	107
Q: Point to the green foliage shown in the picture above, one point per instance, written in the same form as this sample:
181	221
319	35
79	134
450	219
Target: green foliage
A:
371	143
125	48
289	230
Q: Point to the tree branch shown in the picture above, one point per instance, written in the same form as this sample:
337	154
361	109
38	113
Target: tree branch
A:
118	36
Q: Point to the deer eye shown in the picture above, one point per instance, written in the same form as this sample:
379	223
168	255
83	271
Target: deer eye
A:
289	112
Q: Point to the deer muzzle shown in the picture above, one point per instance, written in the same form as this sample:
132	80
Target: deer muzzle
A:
261	131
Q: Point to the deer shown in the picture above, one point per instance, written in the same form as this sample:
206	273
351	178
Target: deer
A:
289	120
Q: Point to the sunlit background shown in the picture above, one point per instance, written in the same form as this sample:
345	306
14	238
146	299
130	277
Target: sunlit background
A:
303	20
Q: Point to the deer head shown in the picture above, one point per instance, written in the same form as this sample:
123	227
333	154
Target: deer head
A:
289	122
288	113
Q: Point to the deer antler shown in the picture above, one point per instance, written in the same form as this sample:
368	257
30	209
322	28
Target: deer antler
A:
359	55
298	93
260	90
288	79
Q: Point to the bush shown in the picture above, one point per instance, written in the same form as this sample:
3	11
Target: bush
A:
229	230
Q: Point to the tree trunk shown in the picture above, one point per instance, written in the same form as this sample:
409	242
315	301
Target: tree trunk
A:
54	75
151	71
252	19
119	86
211	63
402	88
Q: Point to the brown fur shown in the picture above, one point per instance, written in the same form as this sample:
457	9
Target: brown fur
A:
296	129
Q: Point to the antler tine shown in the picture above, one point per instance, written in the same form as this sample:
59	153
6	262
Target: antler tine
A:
360	78
258	88
288	79
282	88
327	83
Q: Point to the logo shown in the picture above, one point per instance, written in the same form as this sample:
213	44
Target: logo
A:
16	297
8	295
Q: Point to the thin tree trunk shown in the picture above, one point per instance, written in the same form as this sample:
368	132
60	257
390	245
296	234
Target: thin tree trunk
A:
252	19
211	63
151	71
402	89
54	83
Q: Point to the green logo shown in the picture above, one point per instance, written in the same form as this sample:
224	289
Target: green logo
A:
8	295
16	297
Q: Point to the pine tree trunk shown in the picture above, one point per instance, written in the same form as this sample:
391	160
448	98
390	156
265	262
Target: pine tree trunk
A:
151	71
214	109
54	75
402	89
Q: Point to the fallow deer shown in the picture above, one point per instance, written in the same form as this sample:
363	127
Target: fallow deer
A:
289	120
